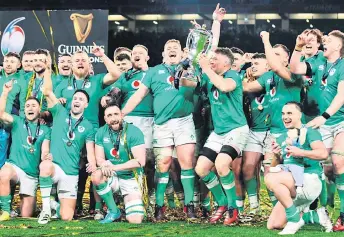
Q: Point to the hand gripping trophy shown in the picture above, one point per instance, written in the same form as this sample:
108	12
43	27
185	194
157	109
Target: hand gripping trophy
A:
199	41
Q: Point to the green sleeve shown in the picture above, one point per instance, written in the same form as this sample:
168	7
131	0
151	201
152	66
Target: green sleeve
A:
262	80
48	134
59	89
147	80
313	135
90	134
56	110
136	137
99	138
341	73
16	120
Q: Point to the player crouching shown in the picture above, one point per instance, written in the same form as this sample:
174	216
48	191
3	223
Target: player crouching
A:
120	153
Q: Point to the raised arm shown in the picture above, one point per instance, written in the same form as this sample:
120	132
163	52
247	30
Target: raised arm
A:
218	16
48	89
296	66
223	84
5	117
113	72
274	62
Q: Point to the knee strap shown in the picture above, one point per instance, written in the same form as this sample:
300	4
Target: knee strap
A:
209	153
229	150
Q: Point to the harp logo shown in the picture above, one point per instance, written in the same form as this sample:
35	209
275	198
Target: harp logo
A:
13	38
82	26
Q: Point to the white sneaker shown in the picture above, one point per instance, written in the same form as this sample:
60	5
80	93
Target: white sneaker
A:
98	216
44	217
292	227
324	219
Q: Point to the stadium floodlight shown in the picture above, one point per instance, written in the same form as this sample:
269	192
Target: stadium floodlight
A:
246	19
155	22
268	21
307	21
311	25
273	26
117	23
230	22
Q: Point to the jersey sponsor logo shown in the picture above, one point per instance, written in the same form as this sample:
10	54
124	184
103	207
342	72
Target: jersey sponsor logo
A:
70	88
161	72
81	129
73	136
29	140
135	84
88	84
259	100
114	153
273	91
106	140
321	67
332	72
216	94
170	80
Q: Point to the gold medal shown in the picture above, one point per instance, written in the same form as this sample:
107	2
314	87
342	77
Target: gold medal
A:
260	107
69	143
31	150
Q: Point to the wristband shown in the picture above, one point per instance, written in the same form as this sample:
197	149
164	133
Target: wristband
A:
326	115
298	48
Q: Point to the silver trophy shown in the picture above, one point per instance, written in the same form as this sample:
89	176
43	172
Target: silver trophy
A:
199	41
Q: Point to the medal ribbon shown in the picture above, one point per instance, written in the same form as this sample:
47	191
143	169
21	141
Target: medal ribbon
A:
118	138
327	73
83	84
176	83
132	74
30	133
70	128
36	88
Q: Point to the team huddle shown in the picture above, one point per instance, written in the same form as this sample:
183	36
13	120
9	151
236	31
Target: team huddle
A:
205	137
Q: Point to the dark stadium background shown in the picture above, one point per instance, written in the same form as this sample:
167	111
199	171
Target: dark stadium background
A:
323	14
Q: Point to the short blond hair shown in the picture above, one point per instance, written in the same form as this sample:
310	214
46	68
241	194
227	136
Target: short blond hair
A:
172	41
142	46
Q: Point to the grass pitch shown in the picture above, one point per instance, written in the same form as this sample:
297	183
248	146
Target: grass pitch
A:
30	227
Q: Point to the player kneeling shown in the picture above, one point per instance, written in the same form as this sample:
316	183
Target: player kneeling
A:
30	142
120	153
